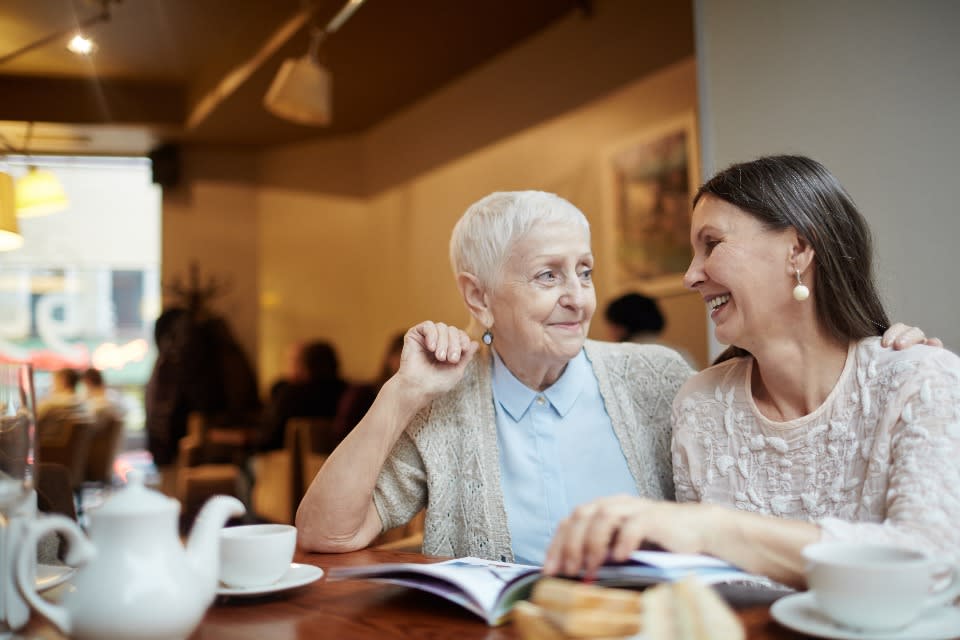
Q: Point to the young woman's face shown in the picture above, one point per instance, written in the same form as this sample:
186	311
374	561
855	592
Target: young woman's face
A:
741	269
544	299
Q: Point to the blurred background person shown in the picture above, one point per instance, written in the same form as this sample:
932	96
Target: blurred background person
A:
358	398
313	389
102	402
63	403
633	317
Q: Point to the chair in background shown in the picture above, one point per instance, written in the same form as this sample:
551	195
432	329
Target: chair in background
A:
103	447
198	479
277	478
317	441
66	442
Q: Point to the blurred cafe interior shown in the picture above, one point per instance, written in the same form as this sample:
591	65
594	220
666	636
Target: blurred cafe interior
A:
239	177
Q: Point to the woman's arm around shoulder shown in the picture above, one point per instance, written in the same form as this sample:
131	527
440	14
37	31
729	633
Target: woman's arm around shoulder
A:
338	512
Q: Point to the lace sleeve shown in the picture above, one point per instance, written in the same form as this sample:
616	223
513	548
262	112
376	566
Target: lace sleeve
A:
682	482
923	492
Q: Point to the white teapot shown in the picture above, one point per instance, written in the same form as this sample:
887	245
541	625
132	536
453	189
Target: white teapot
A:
136	579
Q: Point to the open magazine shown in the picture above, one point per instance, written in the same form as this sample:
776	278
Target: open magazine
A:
487	588
490	589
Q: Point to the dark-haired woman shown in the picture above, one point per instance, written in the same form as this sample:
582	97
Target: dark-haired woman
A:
808	430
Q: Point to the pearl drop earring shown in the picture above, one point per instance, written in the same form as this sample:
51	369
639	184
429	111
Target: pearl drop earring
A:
800	292
487	337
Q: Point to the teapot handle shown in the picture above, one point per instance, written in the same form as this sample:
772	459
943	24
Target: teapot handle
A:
80	551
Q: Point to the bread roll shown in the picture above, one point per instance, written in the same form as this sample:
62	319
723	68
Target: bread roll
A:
561	595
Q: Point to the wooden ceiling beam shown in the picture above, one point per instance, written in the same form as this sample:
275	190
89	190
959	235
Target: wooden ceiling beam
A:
209	101
81	101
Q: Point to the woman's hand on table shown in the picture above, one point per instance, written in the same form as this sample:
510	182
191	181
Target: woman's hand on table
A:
616	526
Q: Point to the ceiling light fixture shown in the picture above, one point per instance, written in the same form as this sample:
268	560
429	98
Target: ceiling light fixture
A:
39	192
81	45
302	89
10	237
102	16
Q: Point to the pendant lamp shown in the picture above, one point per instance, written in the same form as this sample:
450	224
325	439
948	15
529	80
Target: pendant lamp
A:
10	237
39	193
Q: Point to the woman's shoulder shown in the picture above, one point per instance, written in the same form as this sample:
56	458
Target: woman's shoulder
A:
874	359
641	355
717	377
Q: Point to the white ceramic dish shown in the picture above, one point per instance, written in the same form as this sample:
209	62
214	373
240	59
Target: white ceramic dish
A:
297	575
52	575
798	612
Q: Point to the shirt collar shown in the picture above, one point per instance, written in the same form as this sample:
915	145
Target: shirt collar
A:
515	397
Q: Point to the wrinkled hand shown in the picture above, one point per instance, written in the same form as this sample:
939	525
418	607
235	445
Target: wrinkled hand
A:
434	357
901	336
616	526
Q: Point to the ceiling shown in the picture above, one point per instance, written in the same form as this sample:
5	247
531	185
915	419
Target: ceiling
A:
157	60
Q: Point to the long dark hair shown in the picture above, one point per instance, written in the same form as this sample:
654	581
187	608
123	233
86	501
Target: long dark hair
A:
796	192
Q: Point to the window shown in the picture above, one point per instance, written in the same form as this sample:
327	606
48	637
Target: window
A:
84	290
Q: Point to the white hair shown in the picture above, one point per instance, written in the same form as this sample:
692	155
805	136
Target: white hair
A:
485	233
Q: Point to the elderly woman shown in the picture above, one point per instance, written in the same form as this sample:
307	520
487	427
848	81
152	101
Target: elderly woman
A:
499	446
810	430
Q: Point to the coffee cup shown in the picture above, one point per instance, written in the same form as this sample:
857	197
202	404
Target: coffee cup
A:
875	587
256	555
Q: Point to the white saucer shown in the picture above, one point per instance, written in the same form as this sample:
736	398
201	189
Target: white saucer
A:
799	613
296	576
51	575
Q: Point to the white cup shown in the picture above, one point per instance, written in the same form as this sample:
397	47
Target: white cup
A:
14	610
256	555
877	587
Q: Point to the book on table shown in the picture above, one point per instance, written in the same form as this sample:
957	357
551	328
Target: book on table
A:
489	589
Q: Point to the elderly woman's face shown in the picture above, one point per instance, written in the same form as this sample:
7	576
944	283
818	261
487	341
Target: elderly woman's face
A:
544	299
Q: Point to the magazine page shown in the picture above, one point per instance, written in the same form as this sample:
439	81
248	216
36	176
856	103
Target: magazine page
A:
485	587
651	567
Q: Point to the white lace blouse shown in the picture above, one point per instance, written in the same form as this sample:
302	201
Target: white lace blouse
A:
878	461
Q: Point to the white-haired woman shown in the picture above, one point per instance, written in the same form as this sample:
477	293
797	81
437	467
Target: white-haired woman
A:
500	445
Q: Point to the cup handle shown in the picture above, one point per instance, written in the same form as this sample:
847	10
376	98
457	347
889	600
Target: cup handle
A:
949	592
79	552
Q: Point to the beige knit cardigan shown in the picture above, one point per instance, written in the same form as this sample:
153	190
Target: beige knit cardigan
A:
447	460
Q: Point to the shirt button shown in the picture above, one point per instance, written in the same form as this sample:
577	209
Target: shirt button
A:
541	400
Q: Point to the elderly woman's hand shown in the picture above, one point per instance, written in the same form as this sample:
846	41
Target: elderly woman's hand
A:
901	336
434	357
616	526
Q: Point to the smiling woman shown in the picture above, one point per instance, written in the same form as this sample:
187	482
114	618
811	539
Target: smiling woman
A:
809	429
499	443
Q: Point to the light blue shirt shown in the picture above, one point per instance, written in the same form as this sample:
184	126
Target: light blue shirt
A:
557	450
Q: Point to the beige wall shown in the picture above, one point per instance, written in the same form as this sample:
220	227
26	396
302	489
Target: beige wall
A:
211	220
346	239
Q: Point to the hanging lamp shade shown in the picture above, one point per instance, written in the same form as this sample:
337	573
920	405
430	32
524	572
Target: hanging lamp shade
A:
301	92
39	192
10	237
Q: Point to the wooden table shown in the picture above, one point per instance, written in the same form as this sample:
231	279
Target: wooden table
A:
359	609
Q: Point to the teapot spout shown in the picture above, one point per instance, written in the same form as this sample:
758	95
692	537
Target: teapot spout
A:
203	545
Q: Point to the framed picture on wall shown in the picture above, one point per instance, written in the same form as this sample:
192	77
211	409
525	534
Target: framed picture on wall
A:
651	178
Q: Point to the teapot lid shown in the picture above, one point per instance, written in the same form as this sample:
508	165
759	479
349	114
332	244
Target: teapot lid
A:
136	499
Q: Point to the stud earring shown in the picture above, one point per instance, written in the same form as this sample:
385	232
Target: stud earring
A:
800	292
487	337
